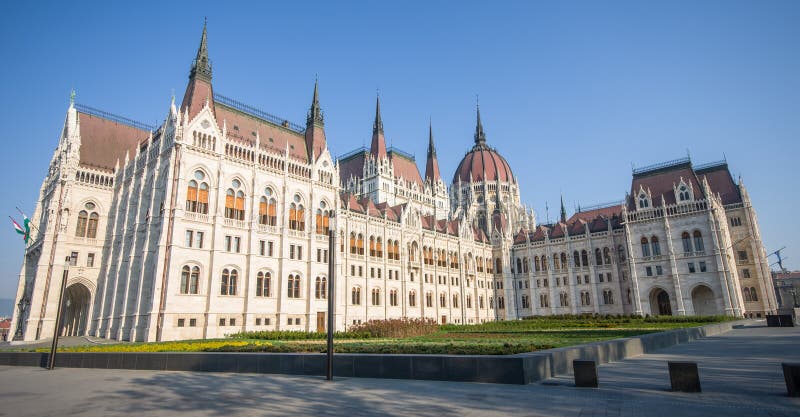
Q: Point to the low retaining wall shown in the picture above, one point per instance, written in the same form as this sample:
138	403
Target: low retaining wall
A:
507	369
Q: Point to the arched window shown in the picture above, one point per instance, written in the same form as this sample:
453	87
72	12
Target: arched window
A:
698	241
355	296
268	209
519	265
683	193
376	296
412	298
746	294
379	247
442	300
321	288
536	263
655	245
608	297
372	246
455	300
297	215
190	280
469	301
322	219
556	263
645	247
91	229
234	201
525	266
353	247
83	218
644	202
606	256
428	299
753	294
598	257
480	301
498	266
360	244
229	278
584	258
197	194
293	286
393	297
621	253
264	284
564	260
687	242
576	259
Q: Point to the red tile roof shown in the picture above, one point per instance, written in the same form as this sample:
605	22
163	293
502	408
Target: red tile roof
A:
588	215
661	183
405	168
241	127
104	141
480	160
721	182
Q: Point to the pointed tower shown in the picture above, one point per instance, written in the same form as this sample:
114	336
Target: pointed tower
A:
563	211
199	90
480	136
315	127
378	146
432	165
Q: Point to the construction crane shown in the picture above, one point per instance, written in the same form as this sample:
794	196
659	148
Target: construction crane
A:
780	260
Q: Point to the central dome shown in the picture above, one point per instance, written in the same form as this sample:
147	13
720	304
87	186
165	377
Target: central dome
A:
482	163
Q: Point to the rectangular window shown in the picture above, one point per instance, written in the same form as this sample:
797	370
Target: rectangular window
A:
181	322
379	272
691	267
233	322
372	272
73	259
299	252
289	321
325	256
266	321
746	273
352	270
585	279
291	251
198	241
360	271
228	245
599	277
702	266
222	321
192	322
659	271
237	243
258	321
262	247
189	238
90	260
649	271
736	221
319	255
742	255
269	248
297	321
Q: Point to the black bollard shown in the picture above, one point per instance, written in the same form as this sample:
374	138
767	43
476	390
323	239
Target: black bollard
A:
791	373
684	376
585	373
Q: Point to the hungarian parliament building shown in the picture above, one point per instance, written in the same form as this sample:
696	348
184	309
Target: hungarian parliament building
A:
218	221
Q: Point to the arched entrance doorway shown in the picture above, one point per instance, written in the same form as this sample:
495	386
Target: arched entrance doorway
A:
659	303
703	301
76	310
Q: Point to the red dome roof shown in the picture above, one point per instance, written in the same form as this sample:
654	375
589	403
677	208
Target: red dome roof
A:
483	164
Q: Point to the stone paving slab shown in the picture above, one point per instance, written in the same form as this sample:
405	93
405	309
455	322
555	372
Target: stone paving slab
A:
739	370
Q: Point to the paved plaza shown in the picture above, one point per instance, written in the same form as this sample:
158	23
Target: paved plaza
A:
740	375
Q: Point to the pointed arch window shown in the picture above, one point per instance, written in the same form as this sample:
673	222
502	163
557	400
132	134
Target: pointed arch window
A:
229	281
753	294
197	194
644	202
321	288
234	201
355	296
376	296
83	218
606	256
264	284
698	241
683	193
621	253
412	298
645	247
598	257
584	258
393	297
576	259
655	245
190	278
268	209
687	243
360	244
293	286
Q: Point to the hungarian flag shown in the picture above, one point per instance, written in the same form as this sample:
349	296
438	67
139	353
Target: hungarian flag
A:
24	231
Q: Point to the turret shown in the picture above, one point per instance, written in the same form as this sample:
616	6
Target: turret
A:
199	91
315	127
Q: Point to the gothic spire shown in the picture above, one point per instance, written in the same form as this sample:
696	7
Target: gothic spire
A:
315	112
432	164
480	136
201	66
563	211
315	127
378	146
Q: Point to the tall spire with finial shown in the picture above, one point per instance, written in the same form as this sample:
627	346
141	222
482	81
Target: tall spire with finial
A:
480	136
202	65
432	164
315	127
563	211
378	146
199	90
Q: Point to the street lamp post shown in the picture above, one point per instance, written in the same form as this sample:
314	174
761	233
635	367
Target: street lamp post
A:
22	307
57	330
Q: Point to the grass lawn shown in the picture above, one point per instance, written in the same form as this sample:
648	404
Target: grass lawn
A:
495	338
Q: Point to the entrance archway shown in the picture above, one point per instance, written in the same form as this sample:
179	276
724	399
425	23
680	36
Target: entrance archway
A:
659	303
76	310
703	301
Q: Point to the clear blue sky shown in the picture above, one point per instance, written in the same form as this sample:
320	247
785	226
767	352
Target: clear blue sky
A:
571	93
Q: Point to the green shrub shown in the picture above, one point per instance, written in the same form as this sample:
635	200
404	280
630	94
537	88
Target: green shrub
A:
397	327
